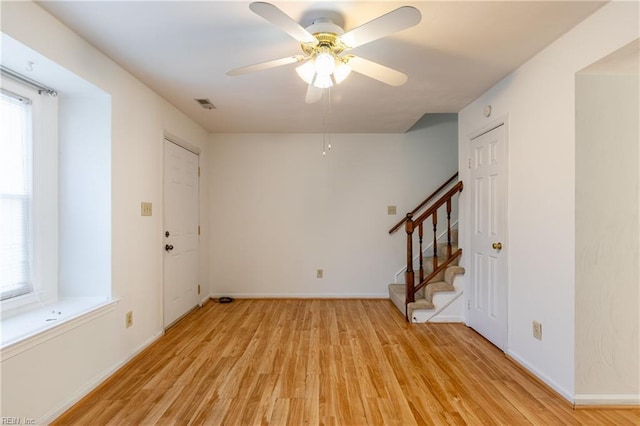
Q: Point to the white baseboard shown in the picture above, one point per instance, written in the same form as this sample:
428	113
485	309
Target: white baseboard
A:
302	295
446	318
98	381
585	400
421	316
544	378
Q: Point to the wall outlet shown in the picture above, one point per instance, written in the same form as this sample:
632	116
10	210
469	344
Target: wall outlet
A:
145	209
537	330
391	210
319	273
129	319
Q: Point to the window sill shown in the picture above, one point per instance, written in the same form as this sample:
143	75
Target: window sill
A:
25	330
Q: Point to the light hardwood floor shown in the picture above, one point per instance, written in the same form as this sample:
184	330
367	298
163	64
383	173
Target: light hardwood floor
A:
324	362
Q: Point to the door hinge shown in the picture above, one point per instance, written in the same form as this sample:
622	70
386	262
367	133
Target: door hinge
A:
198	171
198	229
198	288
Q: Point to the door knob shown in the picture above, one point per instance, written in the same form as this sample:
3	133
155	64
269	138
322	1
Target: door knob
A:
168	247
497	246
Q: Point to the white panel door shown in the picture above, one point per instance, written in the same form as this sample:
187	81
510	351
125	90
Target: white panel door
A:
180	292
488	301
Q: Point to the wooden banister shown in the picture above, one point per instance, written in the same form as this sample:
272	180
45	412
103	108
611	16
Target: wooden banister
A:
411	224
424	203
443	200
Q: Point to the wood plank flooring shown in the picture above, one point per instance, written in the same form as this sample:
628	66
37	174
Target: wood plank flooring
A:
324	362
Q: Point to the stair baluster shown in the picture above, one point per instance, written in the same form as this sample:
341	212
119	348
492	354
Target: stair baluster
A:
409	275
410	225
449	227
421	271
435	240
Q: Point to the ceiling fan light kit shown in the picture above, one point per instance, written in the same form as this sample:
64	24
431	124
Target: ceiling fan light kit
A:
323	43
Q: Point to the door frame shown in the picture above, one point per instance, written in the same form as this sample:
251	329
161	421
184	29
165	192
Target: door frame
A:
166	136
499	121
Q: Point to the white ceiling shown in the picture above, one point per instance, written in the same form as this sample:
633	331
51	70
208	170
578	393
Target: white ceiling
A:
183	49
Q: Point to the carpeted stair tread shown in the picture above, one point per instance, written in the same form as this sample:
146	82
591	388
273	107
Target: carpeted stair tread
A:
397	294
424	298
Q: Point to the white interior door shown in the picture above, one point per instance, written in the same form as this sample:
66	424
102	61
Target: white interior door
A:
180	292
488	299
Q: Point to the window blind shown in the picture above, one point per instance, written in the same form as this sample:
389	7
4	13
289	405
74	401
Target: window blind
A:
16	190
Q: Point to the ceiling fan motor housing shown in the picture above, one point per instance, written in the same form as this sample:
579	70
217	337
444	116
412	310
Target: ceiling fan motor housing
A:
324	25
328	35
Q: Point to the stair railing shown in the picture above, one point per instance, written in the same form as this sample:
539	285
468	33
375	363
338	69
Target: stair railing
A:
410	226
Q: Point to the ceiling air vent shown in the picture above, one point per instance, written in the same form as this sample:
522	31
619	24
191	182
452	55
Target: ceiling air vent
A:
205	103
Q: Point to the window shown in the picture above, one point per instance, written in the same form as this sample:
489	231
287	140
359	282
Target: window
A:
55	199
16	277
28	196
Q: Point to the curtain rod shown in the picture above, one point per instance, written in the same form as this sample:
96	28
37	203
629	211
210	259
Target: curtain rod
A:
29	82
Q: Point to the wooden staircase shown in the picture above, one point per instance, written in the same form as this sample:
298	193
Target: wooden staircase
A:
435	272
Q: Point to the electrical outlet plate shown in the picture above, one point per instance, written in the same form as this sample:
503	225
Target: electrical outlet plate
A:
391	210
537	330
319	273
129	319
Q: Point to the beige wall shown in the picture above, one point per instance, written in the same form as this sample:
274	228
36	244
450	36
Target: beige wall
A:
281	210
607	226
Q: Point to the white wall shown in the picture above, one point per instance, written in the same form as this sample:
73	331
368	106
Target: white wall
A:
43	380
85	196
281	210
539	101
607	245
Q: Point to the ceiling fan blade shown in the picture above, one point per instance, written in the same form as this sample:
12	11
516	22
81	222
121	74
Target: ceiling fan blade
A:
266	65
314	94
394	21
283	21
377	71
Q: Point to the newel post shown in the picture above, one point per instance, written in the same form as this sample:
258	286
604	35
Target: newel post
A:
409	275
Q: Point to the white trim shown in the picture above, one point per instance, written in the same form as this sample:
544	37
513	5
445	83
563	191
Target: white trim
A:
301	295
181	143
40	336
446	318
445	306
583	400
486	129
543	377
49	418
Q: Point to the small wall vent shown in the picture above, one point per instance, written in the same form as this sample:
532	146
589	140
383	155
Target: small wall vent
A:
205	103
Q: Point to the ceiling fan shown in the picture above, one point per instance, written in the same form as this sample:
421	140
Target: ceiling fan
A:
324	43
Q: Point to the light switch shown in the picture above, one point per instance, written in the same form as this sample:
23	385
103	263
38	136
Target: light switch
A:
391	210
145	209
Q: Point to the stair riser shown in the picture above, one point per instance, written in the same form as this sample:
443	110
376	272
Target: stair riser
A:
425	297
